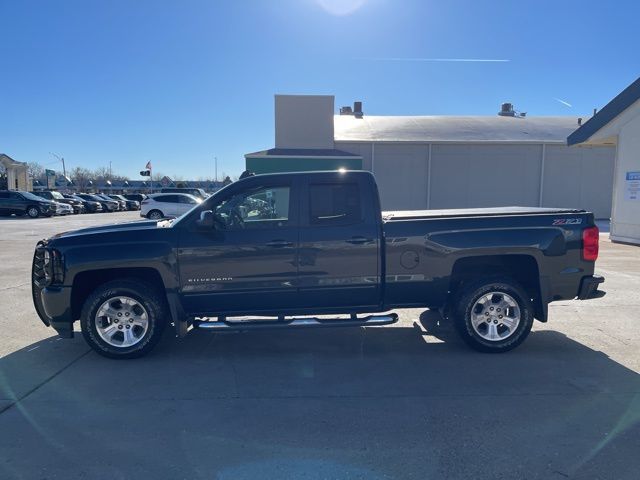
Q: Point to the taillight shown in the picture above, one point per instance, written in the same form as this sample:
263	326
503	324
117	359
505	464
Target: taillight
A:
590	246
145	202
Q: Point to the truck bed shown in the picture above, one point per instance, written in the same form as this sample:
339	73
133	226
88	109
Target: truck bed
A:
472	212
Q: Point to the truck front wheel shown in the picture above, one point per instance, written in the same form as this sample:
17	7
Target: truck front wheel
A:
124	318
493	314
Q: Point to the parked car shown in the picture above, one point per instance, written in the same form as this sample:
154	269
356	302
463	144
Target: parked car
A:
293	244
25	203
121	204
196	192
90	206
63	208
130	204
108	205
138	197
161	205
76	205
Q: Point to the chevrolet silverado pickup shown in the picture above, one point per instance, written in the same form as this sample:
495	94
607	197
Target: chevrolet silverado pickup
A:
297	248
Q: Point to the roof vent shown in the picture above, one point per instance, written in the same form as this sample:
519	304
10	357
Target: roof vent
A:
357	109
506	110
346	110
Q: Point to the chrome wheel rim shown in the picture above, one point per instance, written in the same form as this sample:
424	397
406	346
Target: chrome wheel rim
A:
155	215
495	316
122	321
33	212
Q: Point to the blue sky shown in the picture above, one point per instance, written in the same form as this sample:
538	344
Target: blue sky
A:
182	82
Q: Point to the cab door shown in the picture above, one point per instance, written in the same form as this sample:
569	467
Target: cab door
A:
246	263
339	244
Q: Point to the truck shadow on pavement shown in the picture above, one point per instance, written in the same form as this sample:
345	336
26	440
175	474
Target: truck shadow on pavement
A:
390	402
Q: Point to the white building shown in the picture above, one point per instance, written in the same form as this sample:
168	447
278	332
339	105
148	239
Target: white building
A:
443	161
618	123
17	173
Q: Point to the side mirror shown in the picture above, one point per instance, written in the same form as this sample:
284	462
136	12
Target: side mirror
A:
206	219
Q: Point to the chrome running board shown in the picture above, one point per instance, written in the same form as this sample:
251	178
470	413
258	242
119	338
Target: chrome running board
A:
224	325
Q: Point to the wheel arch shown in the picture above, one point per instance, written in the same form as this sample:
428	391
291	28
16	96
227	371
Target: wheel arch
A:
522	268
87	281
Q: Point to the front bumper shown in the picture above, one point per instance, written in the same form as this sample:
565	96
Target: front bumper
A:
589	287
52	303
48	210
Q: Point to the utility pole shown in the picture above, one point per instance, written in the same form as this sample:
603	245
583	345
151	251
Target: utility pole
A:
216	171
110	170
64	170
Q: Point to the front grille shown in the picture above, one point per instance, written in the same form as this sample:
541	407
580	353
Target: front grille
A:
39	276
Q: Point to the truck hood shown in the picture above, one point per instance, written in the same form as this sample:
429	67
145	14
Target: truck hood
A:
116	227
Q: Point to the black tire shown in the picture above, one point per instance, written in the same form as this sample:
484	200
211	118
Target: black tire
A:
33	211
152	213
474	291
147	296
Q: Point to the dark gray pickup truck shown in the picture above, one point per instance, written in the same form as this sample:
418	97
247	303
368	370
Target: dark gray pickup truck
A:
303	246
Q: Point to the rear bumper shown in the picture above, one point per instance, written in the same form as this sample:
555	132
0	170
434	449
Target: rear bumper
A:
589	287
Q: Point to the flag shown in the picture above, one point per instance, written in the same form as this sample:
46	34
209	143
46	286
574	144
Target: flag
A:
148	166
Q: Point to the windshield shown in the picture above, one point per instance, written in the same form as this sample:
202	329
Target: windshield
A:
95	198
203	204
57	195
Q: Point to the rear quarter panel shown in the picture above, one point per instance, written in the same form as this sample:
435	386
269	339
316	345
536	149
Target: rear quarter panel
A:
421	254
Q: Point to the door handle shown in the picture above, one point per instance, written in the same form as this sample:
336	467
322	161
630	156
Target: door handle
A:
279	243
359	240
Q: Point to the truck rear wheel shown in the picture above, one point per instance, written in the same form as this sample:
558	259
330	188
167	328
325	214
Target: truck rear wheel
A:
124	318
493	314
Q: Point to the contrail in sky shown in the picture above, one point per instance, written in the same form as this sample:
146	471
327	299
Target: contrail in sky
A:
421	59
563	102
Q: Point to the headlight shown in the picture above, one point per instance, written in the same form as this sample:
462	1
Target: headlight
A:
48	270
53	267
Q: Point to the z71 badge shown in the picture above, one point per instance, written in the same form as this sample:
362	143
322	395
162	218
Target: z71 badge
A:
567	221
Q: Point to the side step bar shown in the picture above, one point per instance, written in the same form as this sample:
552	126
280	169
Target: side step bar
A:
225	325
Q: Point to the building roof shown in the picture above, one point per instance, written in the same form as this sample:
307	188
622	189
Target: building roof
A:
454	129
302	152
7	161
611	110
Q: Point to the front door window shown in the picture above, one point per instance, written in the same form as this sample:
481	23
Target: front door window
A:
259	208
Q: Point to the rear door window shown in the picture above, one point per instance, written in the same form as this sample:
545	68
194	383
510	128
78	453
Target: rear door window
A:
167	199
334	204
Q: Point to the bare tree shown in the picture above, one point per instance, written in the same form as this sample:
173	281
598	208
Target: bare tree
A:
81	177
101	173
35	170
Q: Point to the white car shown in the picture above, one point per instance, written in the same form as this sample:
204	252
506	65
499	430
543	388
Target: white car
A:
63	209
167	205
